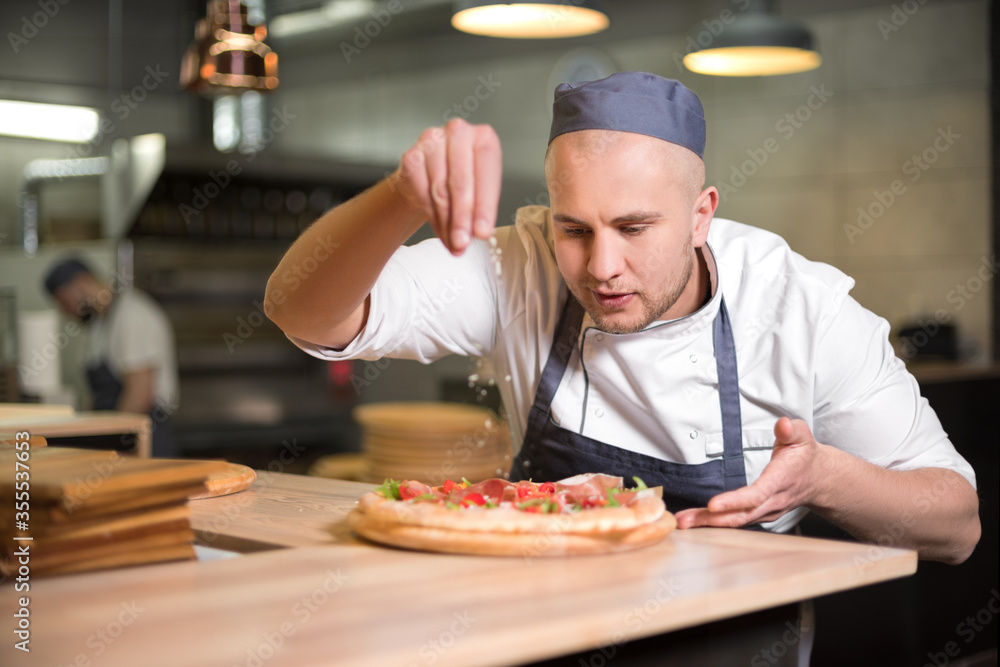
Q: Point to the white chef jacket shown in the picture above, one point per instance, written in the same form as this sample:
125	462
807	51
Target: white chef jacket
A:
132	335
805	349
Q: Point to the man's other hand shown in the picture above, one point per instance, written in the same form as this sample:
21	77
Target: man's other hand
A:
787	482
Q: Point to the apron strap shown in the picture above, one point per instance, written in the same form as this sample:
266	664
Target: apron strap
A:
729	400
563	343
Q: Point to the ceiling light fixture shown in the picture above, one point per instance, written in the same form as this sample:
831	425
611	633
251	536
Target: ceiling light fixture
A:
229	54
54	122
530	20
756	42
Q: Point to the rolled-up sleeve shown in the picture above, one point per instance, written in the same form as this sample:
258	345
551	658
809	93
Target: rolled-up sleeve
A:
868	404
426	304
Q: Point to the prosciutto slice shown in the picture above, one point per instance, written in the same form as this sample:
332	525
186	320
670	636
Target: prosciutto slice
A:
591	486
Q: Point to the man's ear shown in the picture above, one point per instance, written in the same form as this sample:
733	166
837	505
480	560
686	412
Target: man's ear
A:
704	209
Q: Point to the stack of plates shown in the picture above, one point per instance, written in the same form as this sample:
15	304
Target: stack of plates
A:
432	442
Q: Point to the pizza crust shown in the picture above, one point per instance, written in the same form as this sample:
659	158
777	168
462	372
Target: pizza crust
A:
527	545
642	511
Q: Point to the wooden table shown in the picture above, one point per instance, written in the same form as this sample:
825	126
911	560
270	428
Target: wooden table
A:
307	592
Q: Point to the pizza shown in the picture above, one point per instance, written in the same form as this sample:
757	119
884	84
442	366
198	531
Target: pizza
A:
591	513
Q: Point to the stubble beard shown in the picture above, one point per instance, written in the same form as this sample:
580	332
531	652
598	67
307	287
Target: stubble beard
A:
652	309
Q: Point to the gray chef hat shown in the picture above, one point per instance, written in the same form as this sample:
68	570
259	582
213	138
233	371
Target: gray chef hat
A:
637	102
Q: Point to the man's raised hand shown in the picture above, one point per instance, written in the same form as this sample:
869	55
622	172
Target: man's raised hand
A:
452	175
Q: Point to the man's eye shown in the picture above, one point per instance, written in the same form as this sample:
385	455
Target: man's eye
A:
574	231
632	230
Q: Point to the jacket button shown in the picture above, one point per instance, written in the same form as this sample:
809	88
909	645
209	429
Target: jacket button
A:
694	434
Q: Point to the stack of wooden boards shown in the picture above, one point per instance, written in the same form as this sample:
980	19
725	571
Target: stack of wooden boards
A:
432	442
95	509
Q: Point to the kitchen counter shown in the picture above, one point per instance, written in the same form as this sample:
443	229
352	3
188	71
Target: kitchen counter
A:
61	421
306	591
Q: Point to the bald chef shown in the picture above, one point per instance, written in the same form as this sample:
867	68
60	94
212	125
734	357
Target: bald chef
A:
639	335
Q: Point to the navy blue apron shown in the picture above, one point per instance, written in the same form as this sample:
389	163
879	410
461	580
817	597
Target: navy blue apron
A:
550	452
106	388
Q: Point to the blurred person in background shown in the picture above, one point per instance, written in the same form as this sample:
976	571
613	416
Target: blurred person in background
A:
129	351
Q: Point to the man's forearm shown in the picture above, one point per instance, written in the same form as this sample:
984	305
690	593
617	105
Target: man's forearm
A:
932	510
138	391
319	289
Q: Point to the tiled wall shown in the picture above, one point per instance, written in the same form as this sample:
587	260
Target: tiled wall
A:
882	96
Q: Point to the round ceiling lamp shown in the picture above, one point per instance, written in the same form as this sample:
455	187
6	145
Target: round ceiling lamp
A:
530	20
756	42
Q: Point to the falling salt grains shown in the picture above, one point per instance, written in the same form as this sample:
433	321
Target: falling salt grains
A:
495	253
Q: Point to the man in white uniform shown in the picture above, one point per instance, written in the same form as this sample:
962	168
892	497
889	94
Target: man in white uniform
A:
635	335
129	350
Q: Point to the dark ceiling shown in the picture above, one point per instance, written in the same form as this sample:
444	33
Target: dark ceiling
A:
108	44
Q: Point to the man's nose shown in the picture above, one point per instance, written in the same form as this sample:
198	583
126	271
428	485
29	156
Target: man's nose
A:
607	260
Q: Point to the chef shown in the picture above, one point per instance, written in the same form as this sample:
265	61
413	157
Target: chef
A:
129	353
635	334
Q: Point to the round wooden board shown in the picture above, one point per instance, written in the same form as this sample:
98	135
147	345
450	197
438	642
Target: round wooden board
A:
229	478
423	419
527	545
